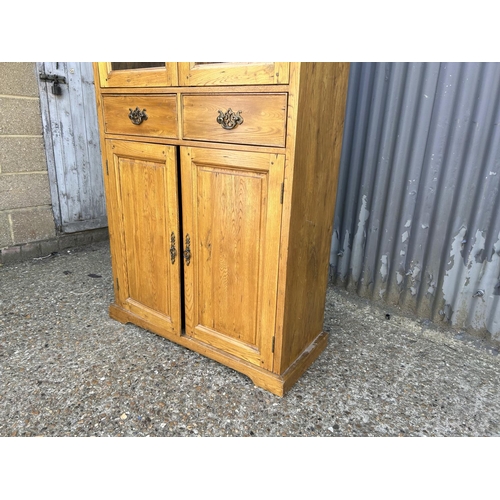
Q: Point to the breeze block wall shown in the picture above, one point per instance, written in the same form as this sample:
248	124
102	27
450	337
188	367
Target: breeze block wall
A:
25	202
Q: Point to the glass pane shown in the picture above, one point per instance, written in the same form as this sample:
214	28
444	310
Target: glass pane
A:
118	66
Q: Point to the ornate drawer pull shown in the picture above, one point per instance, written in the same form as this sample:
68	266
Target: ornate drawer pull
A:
187	251
229	119
173	251
137	116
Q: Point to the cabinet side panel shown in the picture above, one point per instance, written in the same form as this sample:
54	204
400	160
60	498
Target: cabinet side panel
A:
320	122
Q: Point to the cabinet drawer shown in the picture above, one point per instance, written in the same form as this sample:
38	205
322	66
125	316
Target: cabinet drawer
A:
154	116
257	119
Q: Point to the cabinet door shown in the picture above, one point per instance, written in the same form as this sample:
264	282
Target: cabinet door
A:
137	74
232	73
231	225
142	200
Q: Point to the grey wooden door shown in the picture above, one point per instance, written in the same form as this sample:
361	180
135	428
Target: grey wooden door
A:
72	145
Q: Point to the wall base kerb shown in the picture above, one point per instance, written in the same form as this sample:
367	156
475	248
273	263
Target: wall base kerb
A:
44	248
423	313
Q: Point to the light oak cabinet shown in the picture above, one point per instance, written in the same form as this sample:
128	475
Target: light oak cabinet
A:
220	183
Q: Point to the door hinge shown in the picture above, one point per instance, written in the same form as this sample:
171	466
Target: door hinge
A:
107	169
282	192
272	346
117	284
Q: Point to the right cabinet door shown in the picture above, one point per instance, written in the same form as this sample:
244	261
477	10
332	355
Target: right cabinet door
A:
231	234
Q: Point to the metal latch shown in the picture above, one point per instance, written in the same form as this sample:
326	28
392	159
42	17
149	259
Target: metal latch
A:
56	81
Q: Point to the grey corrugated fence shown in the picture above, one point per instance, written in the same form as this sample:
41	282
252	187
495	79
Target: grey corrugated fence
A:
417	220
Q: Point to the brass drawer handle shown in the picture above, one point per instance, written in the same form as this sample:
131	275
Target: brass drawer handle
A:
229	119
137	116
173	251
187	251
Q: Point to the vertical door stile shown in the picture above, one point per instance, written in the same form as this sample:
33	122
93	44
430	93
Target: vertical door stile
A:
270	263
187	229
114	204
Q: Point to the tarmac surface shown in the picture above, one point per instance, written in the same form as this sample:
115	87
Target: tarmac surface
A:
67	369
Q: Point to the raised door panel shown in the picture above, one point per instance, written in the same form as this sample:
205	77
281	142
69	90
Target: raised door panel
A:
144	230
232	73
137	74
232	221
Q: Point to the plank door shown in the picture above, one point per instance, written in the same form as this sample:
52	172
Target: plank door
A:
72	148
142	196
231	225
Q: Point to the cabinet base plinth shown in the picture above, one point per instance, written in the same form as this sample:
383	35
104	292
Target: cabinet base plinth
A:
272	382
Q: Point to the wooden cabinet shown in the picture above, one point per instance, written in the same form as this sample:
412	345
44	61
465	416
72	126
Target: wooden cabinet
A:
220	182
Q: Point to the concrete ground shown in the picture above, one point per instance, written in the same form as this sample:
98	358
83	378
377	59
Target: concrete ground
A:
67	369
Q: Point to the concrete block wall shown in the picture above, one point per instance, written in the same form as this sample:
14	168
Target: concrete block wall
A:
25	202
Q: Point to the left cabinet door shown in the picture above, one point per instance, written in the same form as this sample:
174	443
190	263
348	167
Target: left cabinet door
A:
143	211
137	74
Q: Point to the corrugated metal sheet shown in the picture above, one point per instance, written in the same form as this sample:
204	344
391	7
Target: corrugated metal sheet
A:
417	220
